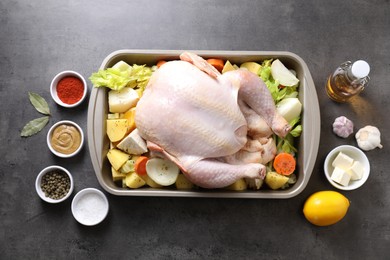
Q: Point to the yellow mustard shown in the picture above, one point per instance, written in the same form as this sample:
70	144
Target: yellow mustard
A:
65	139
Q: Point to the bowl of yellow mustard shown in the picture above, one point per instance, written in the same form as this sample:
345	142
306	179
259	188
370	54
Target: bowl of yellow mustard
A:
65	139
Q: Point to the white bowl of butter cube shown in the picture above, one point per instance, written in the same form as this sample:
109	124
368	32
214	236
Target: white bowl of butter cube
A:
347	167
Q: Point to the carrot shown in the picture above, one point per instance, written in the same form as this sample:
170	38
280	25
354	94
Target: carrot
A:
284	163
217	63
140	165
160	63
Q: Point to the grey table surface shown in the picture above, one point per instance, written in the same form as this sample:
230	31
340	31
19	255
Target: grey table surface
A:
40	38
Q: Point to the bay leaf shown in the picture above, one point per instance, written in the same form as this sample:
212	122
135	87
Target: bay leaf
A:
34	126
39	103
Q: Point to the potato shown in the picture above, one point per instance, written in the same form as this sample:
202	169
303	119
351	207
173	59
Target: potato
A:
151	183
227	67
238	185
133	180
130	116
251	66
116	129
117	158
275	180
116	175
113	116
182	183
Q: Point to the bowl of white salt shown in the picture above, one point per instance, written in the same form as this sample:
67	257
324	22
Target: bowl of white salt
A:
90	206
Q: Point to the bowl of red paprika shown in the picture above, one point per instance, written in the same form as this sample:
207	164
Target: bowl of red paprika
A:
68	88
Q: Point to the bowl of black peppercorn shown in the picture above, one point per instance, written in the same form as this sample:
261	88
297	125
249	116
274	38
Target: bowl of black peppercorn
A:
54	184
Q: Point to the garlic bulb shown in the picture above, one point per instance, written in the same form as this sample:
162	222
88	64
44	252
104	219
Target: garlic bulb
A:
342	127
368	138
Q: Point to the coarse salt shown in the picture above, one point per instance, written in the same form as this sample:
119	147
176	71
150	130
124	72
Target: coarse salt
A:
90	209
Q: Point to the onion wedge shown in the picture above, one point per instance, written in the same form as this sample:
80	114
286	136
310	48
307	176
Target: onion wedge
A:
282	74
162	171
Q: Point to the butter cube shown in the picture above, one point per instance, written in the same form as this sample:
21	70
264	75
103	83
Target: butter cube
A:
356	171
340	176
342	161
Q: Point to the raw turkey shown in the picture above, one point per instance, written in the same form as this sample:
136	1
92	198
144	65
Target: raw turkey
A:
216	127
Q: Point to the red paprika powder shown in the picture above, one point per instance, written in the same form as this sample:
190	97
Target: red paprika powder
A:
70	90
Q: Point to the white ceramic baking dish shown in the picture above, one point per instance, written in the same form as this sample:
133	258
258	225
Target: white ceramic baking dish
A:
308	143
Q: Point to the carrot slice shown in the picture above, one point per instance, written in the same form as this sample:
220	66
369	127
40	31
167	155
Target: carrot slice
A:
160	63
284	163
217	63
140	165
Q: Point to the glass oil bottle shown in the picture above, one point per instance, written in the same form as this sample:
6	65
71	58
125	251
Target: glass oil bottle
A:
348	80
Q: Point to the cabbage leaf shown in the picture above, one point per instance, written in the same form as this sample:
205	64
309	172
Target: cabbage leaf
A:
279	93
137	76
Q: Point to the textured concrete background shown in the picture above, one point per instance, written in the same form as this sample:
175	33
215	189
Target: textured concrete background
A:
40	38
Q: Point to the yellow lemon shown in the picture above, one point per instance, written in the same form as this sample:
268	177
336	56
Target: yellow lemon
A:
325	208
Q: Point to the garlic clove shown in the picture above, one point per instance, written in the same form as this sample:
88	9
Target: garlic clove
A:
342	126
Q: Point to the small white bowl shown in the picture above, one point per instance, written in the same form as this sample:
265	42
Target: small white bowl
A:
90	206
50	133
39	180
356	154
57	78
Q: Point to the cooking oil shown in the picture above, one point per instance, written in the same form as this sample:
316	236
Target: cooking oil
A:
348	80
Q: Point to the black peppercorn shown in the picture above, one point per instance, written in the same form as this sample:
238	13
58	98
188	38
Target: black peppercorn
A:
55	184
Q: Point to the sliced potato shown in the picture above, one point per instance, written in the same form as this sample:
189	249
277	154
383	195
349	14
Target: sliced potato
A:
182	183
251	66
151	183
117	158
116	129
275	180
238	185
130	116
117	175
134	181
227	67
113	116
